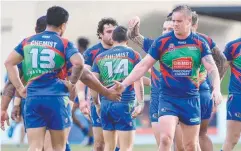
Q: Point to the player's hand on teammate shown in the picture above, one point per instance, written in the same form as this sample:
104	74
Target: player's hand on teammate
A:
15	114
22	92
4	118
119	87
133	27
217	97
138	110
114	93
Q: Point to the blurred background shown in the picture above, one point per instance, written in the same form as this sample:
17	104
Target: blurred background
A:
221	20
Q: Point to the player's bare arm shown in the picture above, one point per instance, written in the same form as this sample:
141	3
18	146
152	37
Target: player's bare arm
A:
213	77
16	111
219	59
89	79
11	65
140	69
95	97
8	89
146	81
8	93
77	61
134	31
224	69
139	90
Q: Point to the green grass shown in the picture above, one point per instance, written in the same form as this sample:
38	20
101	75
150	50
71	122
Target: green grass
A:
217	147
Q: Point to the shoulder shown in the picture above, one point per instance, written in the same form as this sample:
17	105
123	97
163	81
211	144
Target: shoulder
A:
234	42
92	48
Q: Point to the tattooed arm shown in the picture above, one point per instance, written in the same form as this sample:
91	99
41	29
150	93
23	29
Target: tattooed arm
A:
134	32
13	73
8	89
78	65
224	69
220	61
213	77
212	70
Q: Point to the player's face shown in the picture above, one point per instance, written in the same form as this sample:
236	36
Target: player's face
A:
181	23
106	36
167	27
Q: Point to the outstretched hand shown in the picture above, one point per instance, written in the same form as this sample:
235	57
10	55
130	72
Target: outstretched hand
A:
115	92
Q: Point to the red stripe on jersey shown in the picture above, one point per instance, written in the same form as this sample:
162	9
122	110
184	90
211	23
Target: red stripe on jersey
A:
234	48
163	42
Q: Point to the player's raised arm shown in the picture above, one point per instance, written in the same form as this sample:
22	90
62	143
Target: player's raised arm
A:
134	31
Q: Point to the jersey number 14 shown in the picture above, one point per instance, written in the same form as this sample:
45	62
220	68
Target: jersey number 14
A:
121	68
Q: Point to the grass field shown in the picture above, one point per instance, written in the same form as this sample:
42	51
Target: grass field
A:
217	147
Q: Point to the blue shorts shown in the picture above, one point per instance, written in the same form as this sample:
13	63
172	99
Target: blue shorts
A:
117	115
47	111
96	122
206	104
186	109
234	107
153	108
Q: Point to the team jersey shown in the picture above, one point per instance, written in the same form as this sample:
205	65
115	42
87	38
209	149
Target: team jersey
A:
180	61
92	52
233	54
204	82
155	74
44	64
116	64
90	55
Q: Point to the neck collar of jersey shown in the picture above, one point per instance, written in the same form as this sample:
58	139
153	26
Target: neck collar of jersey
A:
100	44
190	35
50	32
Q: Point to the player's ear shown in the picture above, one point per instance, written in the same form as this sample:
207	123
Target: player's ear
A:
63	27
36	31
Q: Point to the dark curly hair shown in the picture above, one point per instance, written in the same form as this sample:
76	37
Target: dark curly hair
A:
105	21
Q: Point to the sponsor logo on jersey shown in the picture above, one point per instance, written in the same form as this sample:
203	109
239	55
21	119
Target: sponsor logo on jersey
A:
171	47
182	42
182	67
